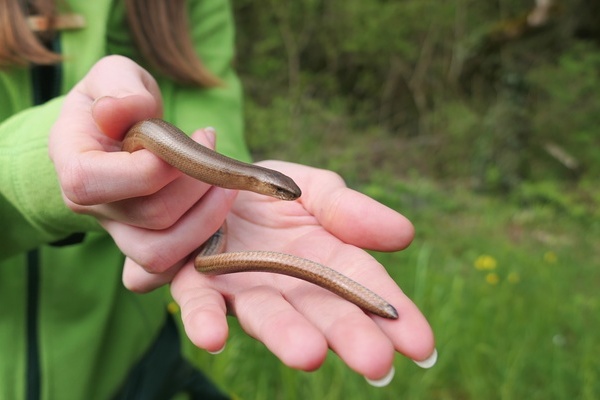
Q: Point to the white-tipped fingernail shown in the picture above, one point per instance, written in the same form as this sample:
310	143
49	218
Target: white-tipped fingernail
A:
214	353
383	381
429	361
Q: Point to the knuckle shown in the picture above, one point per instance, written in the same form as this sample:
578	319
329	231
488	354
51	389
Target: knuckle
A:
75	184
136	286
112	61
334	177
152	258
157	213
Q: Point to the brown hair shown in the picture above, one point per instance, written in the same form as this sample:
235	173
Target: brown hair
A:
18	44
154	25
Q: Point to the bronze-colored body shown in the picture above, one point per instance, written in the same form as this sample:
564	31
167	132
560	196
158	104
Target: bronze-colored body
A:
180	151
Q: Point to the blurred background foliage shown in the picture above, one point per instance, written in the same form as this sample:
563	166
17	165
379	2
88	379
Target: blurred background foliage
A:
478	120
490	94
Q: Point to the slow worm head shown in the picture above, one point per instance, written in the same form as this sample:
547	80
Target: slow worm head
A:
176	148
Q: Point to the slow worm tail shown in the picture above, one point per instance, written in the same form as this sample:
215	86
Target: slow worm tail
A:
287	264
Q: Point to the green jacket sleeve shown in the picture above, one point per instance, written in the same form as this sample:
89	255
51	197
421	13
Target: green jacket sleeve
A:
31	206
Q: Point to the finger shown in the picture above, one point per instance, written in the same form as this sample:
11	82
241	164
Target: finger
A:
203	309
360	220
411	334
158	211
349	332
355	218
157	251
265	315
132	108
81	151
99	177
138	280
116	83
115	93
161	210
353	335
347	214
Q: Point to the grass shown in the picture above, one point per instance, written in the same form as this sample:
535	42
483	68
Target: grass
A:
520	325
510	286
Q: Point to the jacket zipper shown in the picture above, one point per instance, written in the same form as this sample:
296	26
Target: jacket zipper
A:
33	375
45	86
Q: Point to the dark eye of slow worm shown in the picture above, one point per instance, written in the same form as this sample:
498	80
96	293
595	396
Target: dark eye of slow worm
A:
176	148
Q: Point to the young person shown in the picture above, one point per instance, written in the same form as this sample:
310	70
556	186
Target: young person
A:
73	323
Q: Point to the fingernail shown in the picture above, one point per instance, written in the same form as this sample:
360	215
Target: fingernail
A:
383	381
214	353
211	134
429	361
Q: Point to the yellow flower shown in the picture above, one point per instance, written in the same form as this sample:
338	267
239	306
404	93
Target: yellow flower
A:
485	263
172	307
514	277
492	278
550	257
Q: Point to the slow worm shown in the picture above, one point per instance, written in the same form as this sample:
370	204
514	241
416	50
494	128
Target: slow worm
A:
176	148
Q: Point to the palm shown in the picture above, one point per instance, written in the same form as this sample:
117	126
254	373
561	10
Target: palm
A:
260	223
328	224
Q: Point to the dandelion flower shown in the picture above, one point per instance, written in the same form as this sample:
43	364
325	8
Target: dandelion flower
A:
486	263
172	307
492	278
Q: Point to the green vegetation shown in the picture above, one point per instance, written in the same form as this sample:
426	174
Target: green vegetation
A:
484	132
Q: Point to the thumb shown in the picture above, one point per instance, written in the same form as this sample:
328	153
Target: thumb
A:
114	116
122	93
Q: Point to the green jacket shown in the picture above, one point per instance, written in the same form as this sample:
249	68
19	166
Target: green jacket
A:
86	329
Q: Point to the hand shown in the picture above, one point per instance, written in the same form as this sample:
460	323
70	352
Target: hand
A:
296	320
140	200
